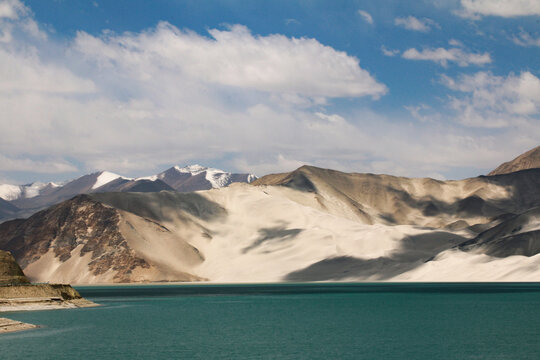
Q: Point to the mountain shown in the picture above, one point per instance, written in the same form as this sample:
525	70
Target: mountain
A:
13	192
196	177
7	209
84	184
311	224
83	240
528	160
392	200
28	199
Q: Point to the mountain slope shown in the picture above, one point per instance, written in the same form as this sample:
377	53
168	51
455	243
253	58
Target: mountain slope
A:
81	240
386	199
7	209
527	160
519	235
245	233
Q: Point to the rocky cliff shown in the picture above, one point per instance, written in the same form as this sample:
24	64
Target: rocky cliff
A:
10	271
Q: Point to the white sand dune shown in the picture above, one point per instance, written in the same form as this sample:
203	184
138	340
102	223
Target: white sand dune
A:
309	225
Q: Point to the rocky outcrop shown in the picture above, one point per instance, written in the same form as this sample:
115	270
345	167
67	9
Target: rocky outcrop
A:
41	297
83	228
10	271
78	223
17	294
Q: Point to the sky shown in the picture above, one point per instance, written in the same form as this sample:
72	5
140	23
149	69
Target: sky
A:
442	88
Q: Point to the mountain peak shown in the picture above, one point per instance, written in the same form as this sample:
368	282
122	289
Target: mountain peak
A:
527	160
193	169
106	177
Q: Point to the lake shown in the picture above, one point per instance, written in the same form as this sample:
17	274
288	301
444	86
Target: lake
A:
289	321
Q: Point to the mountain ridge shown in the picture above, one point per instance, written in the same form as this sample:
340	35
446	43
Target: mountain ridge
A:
527	160
186	179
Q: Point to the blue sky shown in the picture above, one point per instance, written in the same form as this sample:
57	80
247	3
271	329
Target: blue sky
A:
445	89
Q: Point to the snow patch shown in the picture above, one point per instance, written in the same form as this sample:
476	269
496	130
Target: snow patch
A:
193	169
10	192
106	177
218	178
33	190
13	192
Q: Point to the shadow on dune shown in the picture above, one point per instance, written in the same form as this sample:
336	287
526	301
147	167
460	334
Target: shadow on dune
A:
277	234
414	251
164	205
393	198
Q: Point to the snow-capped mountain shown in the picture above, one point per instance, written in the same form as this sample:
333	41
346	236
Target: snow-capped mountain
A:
10	192
106	177
36	196
197	177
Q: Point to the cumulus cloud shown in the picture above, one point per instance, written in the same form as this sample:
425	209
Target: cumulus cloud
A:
235	57
487	100
132	102
25	72
366	16
135	102
415	24
443	56
474	9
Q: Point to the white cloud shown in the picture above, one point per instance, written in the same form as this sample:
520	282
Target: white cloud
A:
26	72
35	166
526	39
134	101
235	57
389	52
487	100
423	113
366	16
333	118
272	165
455	43
415	24
505	8
444	56
137	102
11	9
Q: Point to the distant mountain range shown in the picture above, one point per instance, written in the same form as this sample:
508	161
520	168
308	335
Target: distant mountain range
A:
24	200
311	224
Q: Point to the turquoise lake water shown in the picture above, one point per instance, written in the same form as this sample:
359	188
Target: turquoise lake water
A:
288	321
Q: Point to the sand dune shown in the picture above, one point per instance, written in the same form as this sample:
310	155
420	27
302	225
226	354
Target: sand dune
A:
308	225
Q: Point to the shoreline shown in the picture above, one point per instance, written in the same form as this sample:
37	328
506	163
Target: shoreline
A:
211	283
39	304
10	326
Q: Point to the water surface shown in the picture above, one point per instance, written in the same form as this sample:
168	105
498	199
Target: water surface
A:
288	321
